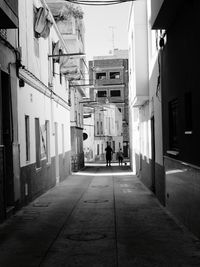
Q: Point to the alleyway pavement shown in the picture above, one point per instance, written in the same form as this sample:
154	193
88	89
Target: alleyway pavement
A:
99	217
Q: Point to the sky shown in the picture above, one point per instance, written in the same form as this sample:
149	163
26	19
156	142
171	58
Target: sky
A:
101	23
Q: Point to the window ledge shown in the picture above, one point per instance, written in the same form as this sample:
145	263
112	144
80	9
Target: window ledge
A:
173	152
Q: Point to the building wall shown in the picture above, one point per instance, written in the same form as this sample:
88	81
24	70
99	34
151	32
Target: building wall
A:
145	100
9	150
47	104
72	31
111	130
88	144
108	65
77	154
180	83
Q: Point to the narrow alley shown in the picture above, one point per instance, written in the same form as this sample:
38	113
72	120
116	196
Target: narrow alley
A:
100	216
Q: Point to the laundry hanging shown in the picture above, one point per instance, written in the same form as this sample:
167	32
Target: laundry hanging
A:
43	23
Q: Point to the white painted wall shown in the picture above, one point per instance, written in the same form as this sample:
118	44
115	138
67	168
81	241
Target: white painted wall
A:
155	106
140	117
88	144
31	101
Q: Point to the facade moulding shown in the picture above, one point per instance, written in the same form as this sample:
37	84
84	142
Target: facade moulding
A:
98	68
109	86
34	82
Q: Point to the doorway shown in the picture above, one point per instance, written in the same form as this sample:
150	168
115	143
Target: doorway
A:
56	152
6	140
153	186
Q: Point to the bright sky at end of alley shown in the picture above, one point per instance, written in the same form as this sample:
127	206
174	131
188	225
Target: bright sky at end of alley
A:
101	23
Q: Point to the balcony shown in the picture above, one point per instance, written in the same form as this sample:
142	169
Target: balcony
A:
163	13
8	14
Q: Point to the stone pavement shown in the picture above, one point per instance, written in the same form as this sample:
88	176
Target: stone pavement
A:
99	217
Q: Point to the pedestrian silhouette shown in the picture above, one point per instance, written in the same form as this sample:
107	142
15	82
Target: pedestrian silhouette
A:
108	150
120	157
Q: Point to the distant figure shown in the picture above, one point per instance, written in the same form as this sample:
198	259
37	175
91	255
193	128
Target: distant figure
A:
120	157
108	150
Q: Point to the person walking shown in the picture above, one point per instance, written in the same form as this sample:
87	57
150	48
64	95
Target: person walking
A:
109	151
120	157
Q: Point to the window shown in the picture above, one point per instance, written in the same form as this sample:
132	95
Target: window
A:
37	142
115	93
100	75
101	126
97	127
97	149
53	67
60	78
120	109
48	153
63	140
79	119
76	116
173	124
115	75
102	94
27	136
188	113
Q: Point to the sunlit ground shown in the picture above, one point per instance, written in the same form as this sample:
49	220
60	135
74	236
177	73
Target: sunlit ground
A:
100	169
104	164
105	173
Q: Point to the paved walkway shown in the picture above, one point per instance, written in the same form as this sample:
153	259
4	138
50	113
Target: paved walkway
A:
100	217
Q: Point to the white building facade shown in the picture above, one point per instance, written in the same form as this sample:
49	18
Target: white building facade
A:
88	143
107	128
69	20
145	99
43	109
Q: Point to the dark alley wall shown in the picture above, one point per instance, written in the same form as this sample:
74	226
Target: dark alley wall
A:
180	81
181	127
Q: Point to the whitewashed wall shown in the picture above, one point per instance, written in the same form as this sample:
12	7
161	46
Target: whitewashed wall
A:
31	101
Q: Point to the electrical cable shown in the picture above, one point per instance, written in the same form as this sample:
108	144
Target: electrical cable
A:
87	4
98	2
